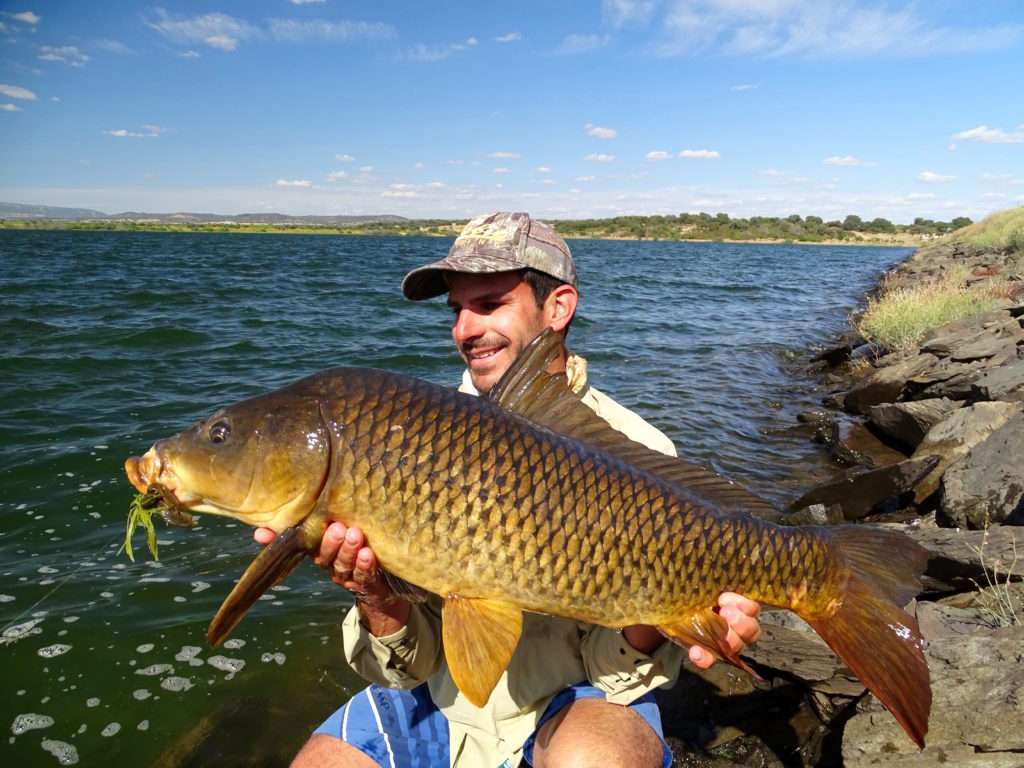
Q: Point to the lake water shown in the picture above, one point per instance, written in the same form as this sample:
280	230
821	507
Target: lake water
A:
109	341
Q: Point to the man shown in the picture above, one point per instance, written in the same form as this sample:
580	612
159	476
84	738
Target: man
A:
574	694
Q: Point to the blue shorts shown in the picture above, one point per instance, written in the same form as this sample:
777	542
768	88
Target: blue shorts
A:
405	729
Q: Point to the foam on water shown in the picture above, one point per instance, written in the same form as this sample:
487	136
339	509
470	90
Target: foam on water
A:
155	669
52	651
176	684
30	721
65	753
111	729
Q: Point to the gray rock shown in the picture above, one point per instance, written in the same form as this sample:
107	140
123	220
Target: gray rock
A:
987	485
977	716
859	492
906	424
1003	383
962	560
953	437
886	384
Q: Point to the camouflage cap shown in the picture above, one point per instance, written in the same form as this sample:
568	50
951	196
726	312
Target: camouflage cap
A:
499	242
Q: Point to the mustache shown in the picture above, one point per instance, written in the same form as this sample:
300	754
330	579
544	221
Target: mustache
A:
484	342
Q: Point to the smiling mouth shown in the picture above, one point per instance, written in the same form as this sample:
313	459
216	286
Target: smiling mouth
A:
486	354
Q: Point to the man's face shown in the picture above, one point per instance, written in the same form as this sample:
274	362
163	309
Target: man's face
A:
496	316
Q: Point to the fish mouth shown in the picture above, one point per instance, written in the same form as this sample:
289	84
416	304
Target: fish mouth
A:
142	473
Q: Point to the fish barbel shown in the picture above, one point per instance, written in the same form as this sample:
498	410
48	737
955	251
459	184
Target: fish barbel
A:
527	500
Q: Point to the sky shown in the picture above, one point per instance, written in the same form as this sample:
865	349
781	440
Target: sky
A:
566	110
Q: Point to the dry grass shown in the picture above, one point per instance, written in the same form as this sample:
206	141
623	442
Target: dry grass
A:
1002	231
900	317
1002	606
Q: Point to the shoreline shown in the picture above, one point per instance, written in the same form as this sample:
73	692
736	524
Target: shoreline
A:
857	238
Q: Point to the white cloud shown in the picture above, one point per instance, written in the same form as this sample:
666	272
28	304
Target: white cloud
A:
743	87
575	44
456	162
436	185
658	154
504	155
930	177
216	30
585	178
775	172
599	132
703	154
843	160
815	29
150	132
336	175
114	46
502	170
619	13
190	55
69	54
399	190
366	169
542	169
296	31
511	37
17	92
992	135
308	2
27	17
296	183
428	54
9	108
548	182
597	157
921	196
344	158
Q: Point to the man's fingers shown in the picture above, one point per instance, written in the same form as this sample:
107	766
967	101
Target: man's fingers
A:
264	535
741	603
365	572
700	657
330	543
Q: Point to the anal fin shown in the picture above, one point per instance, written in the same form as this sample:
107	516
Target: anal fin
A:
706	629
480	637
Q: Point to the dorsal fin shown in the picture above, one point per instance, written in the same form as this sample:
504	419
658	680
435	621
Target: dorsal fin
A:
528	390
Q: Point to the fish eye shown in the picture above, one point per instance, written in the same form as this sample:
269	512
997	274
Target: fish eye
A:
220	431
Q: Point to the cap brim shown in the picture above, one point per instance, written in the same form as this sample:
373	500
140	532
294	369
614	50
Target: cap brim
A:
428	281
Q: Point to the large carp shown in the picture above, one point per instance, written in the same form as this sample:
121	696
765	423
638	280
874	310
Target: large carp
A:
526	500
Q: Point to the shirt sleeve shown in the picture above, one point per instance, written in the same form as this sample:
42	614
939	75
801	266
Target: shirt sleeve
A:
403	659
621	671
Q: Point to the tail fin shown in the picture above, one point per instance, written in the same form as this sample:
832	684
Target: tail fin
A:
871	633
275	562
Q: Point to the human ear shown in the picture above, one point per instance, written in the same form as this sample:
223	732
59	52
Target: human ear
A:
560	306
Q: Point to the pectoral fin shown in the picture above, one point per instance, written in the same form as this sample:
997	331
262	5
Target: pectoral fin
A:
276	561
480	637
706	629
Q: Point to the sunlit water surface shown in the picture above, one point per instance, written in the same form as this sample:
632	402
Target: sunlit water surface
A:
112	340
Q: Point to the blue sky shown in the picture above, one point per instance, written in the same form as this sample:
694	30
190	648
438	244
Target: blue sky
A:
574	109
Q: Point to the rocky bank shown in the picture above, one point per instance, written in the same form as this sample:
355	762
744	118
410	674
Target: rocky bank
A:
931	442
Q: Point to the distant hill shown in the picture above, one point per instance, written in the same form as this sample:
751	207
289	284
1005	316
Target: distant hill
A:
19	211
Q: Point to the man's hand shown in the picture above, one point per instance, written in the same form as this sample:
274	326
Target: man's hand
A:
739	613
353	565
741	616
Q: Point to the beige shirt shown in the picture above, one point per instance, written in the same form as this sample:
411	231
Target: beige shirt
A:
553	653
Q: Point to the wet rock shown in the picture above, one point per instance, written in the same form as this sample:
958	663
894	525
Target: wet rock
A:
987	485
977	714
906	424
953	437
1003	383
860	492
857	440
886	384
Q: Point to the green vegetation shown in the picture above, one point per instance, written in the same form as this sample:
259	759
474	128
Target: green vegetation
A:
141	512
1003	231
900	316
685	226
